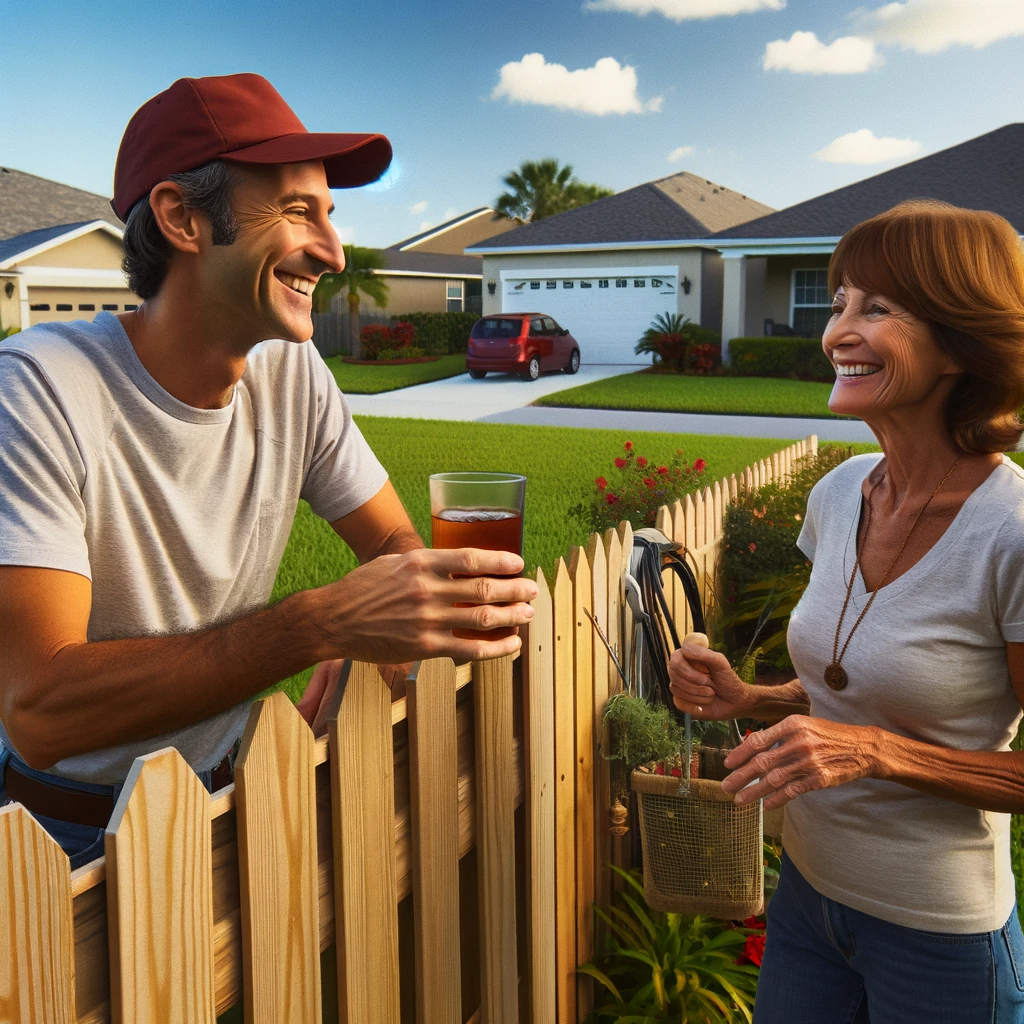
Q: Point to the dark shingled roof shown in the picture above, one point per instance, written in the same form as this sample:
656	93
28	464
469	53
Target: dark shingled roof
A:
980	174
681	206
28	203
10	247
431	262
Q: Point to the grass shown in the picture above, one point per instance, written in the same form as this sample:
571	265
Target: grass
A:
663	392
560	464
372	380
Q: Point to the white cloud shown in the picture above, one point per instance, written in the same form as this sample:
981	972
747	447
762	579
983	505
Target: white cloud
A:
679	152
450	214
806	54
426	225
607	88
347	235
929	26
686	10
418	207
862	147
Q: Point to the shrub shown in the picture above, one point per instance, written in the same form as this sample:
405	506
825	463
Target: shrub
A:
440	334
670	336
375	339
638	490
801	358
405	352
704	360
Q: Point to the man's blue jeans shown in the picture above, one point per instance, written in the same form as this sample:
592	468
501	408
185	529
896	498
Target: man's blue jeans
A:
82	843
825	963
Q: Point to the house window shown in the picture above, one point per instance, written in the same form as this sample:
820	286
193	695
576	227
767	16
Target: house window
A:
535	286
87	307
454	297
602	284
656	282
128	307
567	284
551	284
109	305
40	307
585	284
639	282
64	307
621	282
812	303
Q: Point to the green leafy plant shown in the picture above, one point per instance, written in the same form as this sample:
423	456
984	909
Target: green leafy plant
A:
800	358
638	489
358	278
541	188
405	352
673	967
669	338
442	334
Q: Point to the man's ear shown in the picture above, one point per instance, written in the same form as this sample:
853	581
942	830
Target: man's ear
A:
179	224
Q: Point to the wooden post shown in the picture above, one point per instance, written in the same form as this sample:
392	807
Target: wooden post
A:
434	815
538	712
496	840
362	824
275	797
602	772
160	895
37	973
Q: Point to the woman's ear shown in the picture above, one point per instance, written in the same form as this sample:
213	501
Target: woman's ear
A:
178	223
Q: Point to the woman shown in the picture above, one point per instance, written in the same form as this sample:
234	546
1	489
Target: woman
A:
892	749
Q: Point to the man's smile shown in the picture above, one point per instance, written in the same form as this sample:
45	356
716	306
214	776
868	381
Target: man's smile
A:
302	285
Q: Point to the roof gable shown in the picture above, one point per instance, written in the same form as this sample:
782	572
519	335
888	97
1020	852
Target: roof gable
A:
28	203
981	174
20	247
407	243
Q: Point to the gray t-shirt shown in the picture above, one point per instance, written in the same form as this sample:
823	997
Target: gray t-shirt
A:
928	662
179	516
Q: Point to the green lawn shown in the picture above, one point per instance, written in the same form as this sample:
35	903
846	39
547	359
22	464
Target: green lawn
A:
662	392
372	380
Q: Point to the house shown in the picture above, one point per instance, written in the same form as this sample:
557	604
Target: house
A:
605	270
429	273
60	252
776	267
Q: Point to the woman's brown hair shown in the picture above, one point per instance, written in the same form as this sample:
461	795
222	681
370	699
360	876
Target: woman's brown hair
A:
963	272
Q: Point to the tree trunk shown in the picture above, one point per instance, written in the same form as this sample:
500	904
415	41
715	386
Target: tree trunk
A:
353	324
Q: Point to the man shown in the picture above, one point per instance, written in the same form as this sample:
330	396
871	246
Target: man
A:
151	464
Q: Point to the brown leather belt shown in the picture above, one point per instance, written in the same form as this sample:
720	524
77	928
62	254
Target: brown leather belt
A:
79	808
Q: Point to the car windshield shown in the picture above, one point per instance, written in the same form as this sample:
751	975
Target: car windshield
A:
497	327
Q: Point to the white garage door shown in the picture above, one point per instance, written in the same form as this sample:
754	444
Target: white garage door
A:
606	310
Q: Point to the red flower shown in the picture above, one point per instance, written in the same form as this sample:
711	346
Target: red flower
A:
663	470
610	499
677	772
753	922
648	481
628	446
620	463
601	483
699	466
641	461
752	547
753	950
659	769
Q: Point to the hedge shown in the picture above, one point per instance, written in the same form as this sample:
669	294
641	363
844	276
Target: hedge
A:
440	334
801	358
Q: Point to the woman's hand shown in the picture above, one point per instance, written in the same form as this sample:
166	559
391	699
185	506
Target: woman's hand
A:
704	684
799	755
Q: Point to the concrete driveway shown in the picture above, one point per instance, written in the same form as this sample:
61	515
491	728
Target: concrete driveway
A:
462	398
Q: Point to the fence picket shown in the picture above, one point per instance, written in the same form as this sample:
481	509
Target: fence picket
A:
275	798
160	895
538	712
434	814
362	824
37	976
613	570
496	839
565	794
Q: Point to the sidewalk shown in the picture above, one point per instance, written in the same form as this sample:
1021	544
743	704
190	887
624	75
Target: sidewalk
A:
504	398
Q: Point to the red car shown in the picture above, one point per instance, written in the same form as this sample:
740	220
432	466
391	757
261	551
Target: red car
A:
523	343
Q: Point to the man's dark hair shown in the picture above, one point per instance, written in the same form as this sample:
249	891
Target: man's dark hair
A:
146	251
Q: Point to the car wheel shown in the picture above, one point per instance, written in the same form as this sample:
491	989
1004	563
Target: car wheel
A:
478	374
532	371
574	361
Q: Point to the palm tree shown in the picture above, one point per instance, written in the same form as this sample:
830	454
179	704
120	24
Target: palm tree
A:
358	276
541	189
670	336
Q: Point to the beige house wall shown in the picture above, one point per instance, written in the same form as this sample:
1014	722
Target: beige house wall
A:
94	251
75	297
455	240
10	311
405	295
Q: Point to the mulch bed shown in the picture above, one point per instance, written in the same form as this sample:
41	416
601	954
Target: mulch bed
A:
390	362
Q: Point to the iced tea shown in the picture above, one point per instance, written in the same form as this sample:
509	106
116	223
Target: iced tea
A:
493	529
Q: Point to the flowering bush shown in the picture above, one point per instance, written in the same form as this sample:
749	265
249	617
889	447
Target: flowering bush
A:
703	360
374	338
637	490
670	337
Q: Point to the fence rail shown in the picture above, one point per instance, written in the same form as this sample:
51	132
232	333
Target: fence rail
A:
202	900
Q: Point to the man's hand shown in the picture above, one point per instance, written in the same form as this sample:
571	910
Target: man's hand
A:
799	755
401	608
315	701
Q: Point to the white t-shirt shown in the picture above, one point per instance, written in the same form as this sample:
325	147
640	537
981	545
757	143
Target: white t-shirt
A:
928	662
179	516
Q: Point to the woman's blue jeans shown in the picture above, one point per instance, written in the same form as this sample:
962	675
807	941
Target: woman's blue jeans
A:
82	843
825	963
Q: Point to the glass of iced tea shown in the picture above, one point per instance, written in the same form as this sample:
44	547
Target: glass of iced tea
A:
477	510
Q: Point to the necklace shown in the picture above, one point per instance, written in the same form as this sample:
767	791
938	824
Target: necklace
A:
835	675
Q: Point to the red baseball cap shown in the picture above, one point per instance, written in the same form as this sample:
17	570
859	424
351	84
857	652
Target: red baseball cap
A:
232	117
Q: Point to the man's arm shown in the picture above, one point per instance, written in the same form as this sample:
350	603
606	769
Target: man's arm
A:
380	526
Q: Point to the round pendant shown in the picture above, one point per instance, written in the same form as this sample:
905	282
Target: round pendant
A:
835	676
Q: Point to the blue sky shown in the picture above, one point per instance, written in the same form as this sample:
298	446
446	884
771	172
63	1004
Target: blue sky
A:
746	99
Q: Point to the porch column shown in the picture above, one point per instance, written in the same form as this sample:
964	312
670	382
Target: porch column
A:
734	299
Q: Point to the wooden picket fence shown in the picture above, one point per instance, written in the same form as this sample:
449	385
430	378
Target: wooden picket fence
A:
484	794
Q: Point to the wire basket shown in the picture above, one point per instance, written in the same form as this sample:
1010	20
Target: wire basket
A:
702	851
